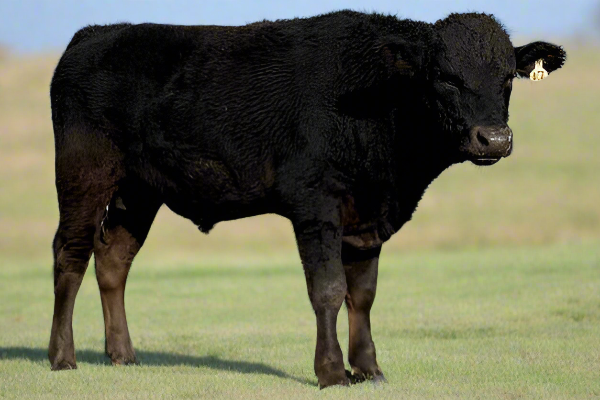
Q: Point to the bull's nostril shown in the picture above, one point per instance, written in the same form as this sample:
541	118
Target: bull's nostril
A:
482	139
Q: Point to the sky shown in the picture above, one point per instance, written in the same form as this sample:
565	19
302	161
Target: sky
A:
42	25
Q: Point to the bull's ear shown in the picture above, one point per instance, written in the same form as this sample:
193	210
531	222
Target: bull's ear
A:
553	57
403	56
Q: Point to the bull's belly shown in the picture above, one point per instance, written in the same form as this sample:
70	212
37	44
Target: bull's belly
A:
205	214
210	198
207	191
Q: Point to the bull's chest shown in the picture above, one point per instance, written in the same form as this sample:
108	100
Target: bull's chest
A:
366	224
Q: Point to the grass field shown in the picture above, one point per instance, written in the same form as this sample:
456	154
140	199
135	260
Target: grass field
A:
492	291
503	323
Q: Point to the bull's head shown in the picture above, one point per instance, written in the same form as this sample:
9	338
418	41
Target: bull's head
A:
466	71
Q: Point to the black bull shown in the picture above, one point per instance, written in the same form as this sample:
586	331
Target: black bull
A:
337	122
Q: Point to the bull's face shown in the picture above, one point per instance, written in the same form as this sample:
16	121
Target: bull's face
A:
471	76
467	71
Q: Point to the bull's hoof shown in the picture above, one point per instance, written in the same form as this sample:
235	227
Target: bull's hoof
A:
121	355
121	361
334	382
333	378
354	378
359	377
129	359
63	365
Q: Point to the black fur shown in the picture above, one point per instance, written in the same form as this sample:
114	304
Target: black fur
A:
337	122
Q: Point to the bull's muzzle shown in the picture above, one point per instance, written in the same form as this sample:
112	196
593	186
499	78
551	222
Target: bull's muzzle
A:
488	144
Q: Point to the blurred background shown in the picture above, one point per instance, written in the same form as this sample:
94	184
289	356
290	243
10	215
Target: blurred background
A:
547	192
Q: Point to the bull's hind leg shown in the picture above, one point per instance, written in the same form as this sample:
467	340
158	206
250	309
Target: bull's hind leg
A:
81	197
122	233
361	277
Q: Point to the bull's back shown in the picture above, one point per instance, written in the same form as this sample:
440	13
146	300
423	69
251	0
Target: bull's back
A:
109	74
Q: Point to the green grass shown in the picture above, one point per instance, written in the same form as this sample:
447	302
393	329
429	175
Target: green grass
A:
502	323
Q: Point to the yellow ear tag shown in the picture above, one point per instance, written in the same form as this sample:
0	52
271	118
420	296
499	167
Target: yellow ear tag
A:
538	72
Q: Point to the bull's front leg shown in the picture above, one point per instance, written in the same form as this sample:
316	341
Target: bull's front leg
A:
319	243
361	277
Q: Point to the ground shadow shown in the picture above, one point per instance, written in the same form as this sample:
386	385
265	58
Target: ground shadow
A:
157	359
